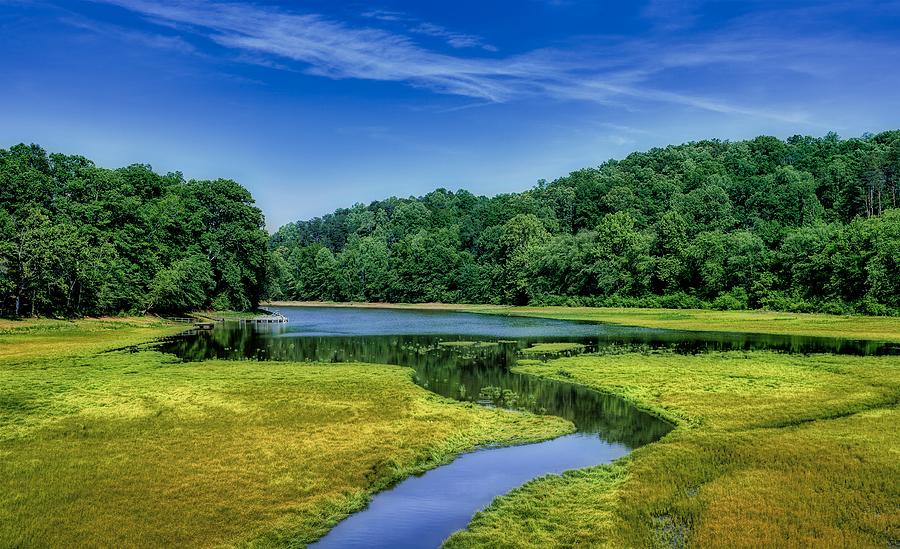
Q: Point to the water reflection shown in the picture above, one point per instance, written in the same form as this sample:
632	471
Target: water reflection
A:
463	373
480	373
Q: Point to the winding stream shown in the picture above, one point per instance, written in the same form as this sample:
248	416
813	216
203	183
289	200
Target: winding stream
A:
424	510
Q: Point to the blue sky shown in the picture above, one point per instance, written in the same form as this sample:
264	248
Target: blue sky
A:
315	104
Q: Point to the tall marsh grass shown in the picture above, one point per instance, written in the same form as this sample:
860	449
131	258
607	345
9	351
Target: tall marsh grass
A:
771	450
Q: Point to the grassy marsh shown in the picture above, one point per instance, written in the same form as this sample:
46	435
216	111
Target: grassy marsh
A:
770	450
125	448
105	447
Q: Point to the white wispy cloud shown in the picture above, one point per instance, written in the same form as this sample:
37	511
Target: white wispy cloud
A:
416	26
148	39
387	15
611	72
455	39
336	50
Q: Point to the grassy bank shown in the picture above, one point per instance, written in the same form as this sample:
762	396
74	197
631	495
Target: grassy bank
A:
770	450
123	448
877	328
762	322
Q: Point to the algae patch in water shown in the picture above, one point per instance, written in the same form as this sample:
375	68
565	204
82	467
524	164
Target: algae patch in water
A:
468	344
551	349
507	398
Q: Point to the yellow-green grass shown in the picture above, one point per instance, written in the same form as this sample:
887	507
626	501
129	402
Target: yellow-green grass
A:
763	322
771	450
45	339
877	328
552	348
123	448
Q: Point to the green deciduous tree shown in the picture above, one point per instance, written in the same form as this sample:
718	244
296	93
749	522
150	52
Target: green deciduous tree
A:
77	239
801	224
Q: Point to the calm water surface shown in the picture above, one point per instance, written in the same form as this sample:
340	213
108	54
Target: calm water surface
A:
422	511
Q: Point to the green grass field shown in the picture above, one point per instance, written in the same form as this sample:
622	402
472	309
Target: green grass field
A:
104	446
771	450
126	449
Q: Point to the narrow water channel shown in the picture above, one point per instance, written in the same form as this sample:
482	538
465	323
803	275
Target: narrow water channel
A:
468	357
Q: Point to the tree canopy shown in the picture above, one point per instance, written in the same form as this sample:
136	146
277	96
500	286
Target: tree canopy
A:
78	239
804	224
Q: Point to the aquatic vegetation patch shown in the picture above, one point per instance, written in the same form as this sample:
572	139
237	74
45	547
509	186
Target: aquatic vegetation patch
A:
506	398
553	349
467	344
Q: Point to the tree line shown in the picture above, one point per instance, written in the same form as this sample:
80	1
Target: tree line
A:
803	224
76	239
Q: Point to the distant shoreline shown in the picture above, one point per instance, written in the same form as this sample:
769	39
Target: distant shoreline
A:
387	305
860	327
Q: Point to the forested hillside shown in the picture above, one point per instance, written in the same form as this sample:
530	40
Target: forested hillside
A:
76	239
806	224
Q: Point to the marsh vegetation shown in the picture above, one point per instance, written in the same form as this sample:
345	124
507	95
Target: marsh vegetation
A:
133	447
737	402
109	438
771	449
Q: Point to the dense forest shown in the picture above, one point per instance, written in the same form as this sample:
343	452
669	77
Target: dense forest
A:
806	224
76	239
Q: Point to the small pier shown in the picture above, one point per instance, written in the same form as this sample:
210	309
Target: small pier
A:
198	324
208	323
271	318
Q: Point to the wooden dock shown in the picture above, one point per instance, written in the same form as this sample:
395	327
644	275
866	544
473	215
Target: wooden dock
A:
271	318
208	323
198	324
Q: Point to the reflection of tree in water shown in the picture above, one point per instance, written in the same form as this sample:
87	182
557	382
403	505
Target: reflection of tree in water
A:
461	373
480	373
487	377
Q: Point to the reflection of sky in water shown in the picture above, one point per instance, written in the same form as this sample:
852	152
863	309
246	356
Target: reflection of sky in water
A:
423	511
321	321
343	321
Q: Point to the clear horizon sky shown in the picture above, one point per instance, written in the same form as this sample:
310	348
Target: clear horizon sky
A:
314	105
